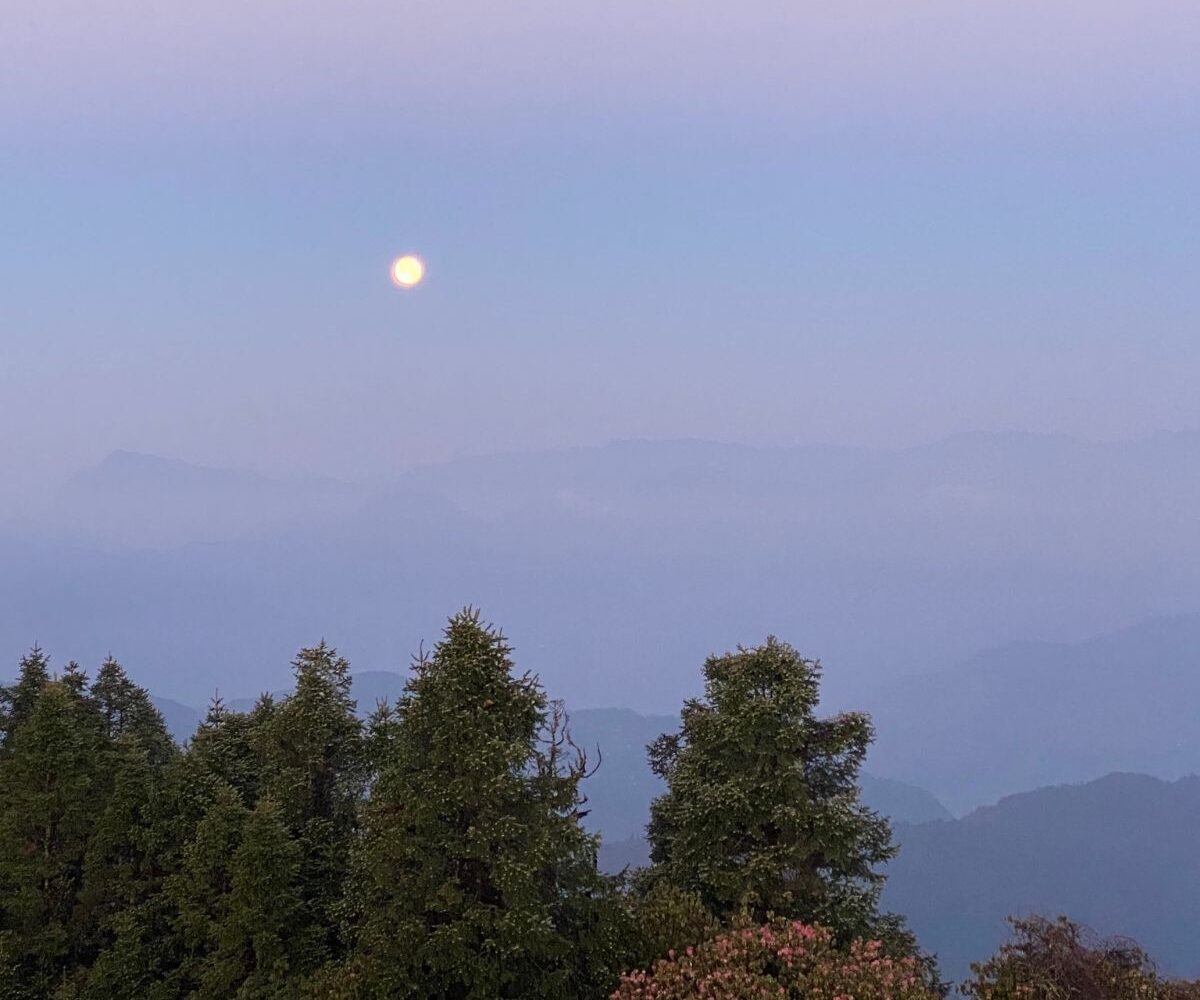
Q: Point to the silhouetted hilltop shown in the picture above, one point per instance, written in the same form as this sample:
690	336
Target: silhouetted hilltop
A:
1030	714
1118	854
621	786
144	501
618	569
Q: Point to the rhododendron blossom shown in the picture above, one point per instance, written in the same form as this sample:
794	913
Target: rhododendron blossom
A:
784	960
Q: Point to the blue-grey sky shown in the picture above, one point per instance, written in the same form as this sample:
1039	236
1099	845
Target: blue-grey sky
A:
769	222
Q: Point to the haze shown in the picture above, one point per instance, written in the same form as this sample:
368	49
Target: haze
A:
856	223
854	226
870	325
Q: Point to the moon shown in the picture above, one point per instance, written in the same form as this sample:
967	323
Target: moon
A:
407	271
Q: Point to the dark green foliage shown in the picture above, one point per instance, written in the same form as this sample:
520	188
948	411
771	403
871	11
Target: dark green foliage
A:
435	851
136	847
51	788
284	780
762	811
200	891
315	771
130	867
261	942
118	869
474	879
226	747
126	711
17	701
668	919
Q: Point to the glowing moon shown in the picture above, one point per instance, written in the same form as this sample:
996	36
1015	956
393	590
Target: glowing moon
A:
407	271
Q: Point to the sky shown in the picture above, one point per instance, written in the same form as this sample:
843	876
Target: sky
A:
767	222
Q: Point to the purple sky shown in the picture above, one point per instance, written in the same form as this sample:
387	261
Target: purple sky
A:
766	222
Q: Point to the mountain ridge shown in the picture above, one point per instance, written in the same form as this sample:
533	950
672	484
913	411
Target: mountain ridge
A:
1117	853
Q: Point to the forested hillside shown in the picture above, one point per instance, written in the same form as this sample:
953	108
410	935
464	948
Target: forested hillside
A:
1028	714
1119	854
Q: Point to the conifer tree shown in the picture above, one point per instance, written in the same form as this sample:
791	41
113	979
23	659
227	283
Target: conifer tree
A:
134	848
17	700
151	946
227	748
122	867
51	793
379	737
199	889
762	808
118	867
128	712
315	771
260	945
474	879
78	771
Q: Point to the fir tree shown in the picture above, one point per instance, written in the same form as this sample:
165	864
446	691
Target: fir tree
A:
199	890
151	819
17	700
123	866
315	771
762	808
227	748
474	879
134	846
51	792
128	712
260	945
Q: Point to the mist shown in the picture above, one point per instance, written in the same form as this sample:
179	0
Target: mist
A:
866	226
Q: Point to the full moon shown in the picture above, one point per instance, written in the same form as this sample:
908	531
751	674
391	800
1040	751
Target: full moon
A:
407	271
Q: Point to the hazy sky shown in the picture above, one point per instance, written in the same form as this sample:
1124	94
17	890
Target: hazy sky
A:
769	221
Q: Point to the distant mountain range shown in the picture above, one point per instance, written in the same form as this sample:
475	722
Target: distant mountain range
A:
1021	716
621	785
1119	854
620	791
148	502
897	800
616	570
1030	714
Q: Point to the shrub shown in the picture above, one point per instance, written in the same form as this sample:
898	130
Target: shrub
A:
783	960
1061	960
667	919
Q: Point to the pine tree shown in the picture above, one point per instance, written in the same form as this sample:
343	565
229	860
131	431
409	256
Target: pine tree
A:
762	808
474	879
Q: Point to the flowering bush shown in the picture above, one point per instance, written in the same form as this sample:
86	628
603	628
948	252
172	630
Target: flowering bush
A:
784	960
1049	959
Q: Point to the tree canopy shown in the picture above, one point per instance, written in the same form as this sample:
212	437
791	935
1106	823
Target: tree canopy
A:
435	849
762	812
